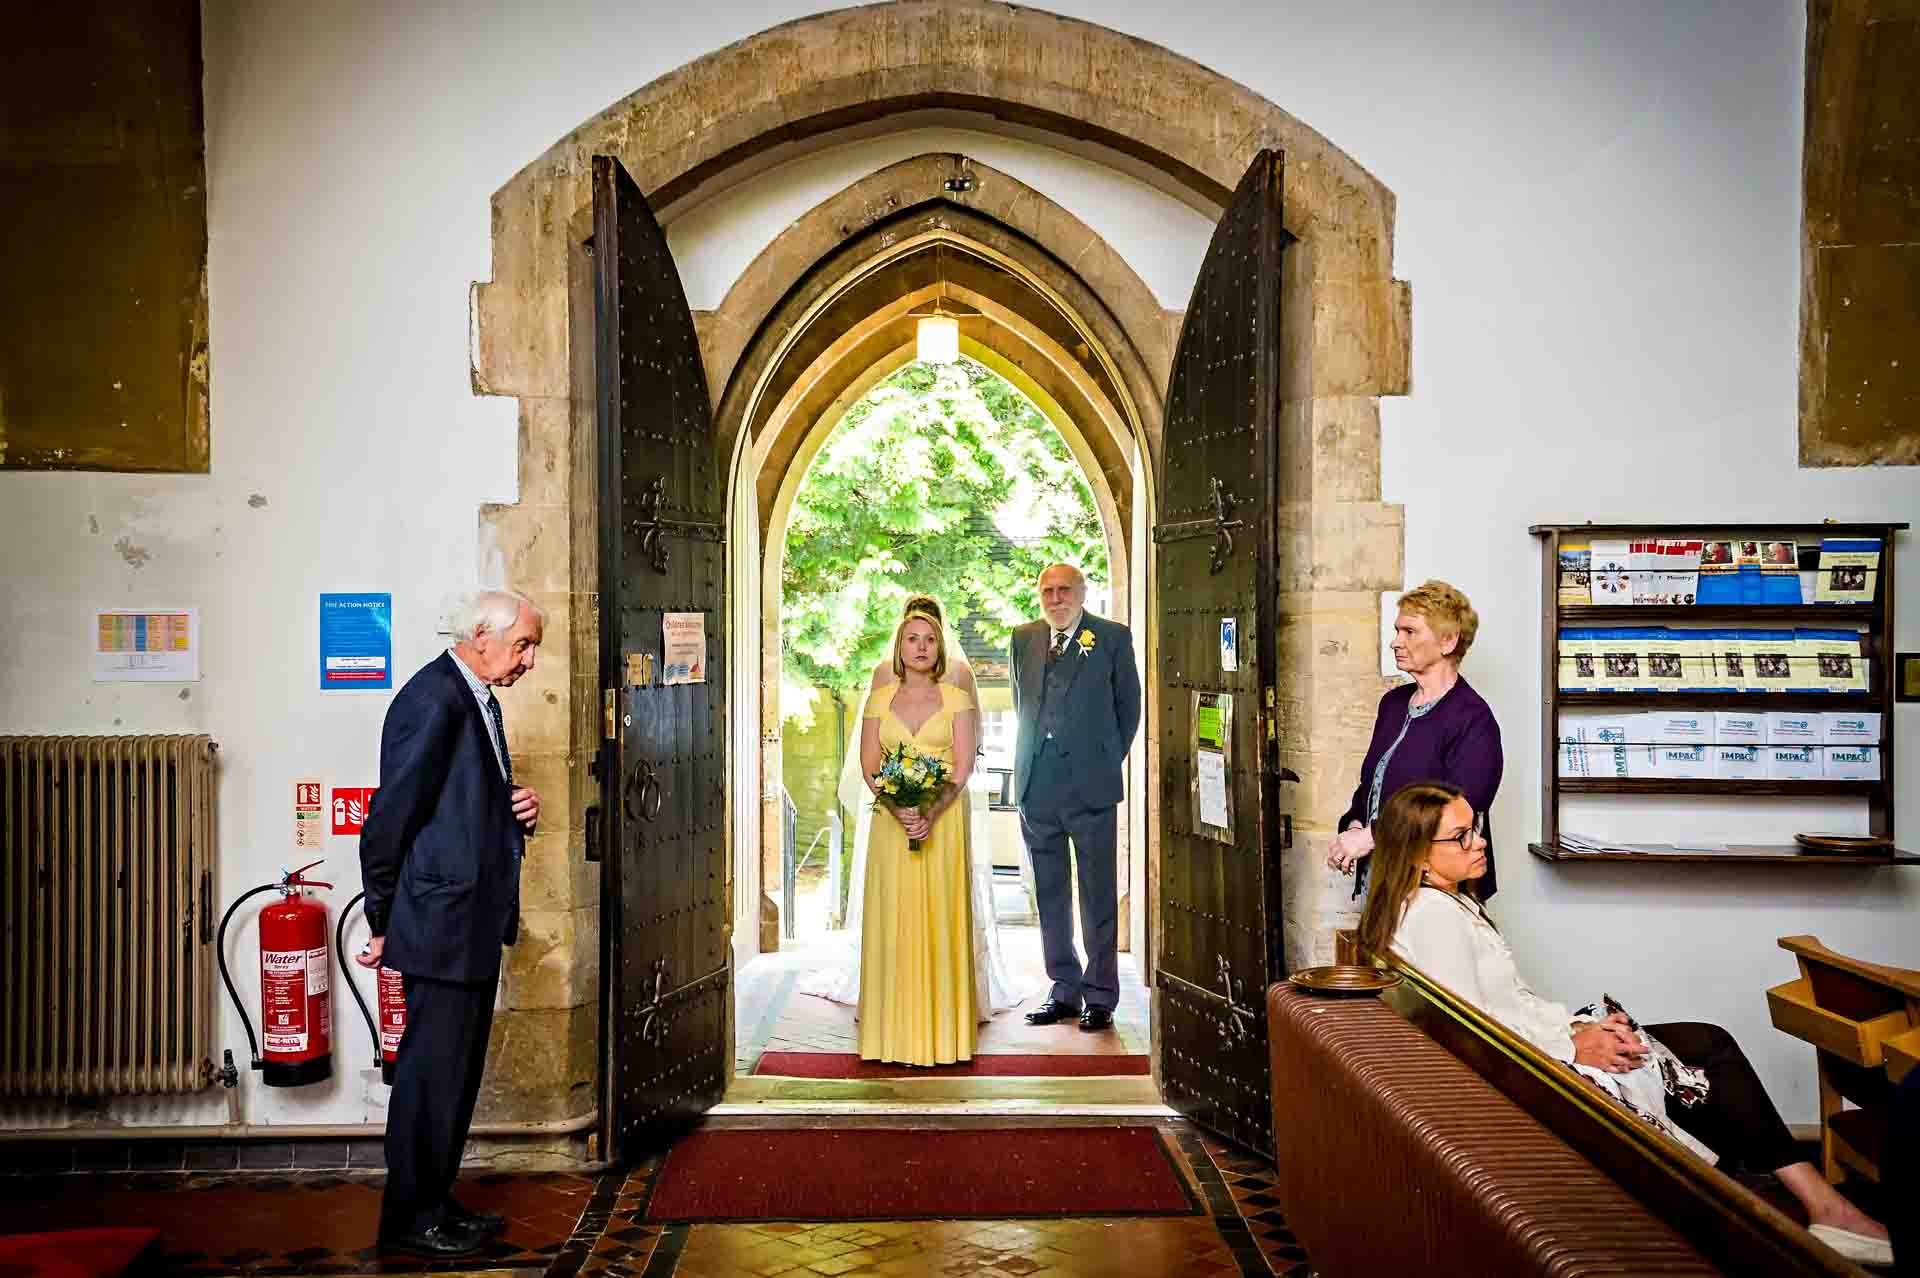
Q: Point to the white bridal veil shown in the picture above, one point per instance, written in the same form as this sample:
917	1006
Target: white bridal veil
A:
992	989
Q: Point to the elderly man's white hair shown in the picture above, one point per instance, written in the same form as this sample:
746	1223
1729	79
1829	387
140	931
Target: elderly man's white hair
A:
493	611
1079	578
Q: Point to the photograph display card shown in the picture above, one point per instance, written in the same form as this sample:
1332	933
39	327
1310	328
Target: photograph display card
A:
1575	584
1770	654
1779	572
1575	661
1740	727
1740	763
1848	571
1847	728
1853	763
1709	659
1719	582
1795	763
1794	728
1746	566
1611	576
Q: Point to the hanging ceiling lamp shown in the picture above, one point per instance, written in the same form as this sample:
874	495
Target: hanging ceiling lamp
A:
937	339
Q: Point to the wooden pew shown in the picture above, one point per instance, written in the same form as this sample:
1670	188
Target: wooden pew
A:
1727	1223
1863	1020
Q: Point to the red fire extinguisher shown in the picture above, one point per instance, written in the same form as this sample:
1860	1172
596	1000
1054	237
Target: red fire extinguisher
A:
390	997
296	1007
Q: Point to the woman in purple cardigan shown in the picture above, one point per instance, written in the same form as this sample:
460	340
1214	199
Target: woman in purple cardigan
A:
1436	728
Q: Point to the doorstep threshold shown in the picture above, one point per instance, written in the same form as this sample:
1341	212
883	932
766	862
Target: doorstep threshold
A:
1124	1089
937	1109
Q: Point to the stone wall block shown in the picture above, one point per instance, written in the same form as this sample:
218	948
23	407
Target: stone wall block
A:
1316	902
540	1064
1361	337
533	544
551	872
546	438
1358	546
520	316
583	633
549	772
1342	450
1325	788
1344	705
1337	633
539	967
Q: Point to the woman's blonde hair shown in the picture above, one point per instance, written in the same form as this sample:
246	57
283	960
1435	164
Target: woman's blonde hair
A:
921	608
1402	833
1448	612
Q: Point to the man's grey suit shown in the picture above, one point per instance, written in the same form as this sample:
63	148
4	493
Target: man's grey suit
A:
1077	715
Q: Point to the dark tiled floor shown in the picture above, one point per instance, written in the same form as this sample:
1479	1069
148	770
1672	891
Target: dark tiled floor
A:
566	1224
308	1222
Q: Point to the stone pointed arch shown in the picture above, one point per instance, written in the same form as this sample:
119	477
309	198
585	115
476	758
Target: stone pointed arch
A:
1136	315
704	127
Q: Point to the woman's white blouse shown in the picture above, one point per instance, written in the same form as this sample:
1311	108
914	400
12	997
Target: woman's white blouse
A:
1449	941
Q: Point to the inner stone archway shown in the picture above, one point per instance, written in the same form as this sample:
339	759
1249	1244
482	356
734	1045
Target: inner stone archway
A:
715	122
836	292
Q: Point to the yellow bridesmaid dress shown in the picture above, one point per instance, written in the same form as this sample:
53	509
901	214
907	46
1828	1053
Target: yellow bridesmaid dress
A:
916	944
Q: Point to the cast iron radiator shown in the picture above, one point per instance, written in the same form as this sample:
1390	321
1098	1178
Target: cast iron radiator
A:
1396	1158
106	929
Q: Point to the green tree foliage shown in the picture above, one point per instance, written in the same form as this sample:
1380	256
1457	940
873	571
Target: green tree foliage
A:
893	506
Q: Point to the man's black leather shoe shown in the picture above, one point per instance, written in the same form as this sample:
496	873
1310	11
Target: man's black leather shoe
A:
1095	1019
1050	1012
484	1223
444	1240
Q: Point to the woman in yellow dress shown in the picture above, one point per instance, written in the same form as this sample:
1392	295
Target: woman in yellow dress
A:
916	950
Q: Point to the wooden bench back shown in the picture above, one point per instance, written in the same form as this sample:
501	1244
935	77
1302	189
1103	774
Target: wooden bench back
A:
1735	1228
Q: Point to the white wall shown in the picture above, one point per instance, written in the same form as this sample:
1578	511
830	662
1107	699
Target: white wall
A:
1598	211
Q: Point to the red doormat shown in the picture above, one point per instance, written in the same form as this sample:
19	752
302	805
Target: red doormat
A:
75	1253
888	1174
849	1065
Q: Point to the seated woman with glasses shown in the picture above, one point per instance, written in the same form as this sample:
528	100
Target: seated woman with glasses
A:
1429	849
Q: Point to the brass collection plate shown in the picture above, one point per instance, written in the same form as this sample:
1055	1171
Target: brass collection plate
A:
1344	979
1843	843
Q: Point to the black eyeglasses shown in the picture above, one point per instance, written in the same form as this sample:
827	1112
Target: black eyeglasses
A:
1478	830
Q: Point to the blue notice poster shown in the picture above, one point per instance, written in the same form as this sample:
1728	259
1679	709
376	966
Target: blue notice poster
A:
356	642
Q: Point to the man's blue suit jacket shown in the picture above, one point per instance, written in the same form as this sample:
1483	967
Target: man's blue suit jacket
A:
1102	711
440	852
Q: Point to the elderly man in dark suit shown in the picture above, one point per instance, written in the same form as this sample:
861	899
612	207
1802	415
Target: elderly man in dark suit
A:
440	860
1076	694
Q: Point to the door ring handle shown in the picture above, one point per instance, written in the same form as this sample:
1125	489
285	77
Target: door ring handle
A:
644	794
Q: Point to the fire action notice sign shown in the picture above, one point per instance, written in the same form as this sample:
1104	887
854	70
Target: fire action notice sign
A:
356	642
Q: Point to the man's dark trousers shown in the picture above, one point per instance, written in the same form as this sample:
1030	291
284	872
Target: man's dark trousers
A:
1051	814
436	1080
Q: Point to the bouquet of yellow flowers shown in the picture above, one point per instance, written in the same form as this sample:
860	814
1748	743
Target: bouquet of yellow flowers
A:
909	779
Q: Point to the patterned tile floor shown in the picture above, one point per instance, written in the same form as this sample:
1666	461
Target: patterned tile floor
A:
772	1015
564	1225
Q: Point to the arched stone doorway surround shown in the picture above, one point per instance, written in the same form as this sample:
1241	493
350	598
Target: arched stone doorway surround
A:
839	325
819	81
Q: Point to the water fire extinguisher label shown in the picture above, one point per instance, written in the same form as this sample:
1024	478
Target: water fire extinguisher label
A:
283	997
318	973
393	1010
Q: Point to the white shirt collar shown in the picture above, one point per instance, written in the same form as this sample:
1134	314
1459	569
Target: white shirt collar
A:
474	681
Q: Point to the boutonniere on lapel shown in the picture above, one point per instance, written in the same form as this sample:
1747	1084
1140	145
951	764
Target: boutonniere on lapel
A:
1085	640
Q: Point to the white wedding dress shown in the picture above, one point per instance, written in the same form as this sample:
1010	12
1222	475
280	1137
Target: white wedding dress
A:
840	981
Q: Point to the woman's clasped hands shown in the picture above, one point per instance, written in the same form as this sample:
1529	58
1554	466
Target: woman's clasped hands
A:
915	822
1349	846
1609	1045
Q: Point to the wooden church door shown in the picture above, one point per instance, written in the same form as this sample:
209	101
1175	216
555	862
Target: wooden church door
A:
1217	564
663	765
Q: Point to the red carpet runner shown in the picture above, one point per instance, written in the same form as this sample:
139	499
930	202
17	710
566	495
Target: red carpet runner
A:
879	1174
849	1065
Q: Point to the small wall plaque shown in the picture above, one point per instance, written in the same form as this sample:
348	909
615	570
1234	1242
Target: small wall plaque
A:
1906	676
